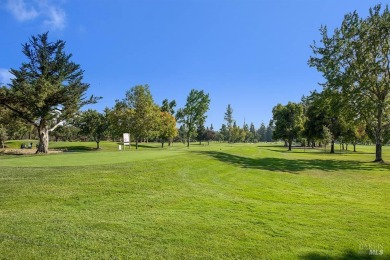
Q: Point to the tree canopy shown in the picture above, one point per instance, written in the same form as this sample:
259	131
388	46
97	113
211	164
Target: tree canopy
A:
46	89
194	112
355	61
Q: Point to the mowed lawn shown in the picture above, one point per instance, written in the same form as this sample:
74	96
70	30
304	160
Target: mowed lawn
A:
242	201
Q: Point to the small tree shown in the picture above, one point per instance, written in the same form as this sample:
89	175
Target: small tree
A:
93	124
167	127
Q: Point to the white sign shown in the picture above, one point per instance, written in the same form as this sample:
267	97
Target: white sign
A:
126	139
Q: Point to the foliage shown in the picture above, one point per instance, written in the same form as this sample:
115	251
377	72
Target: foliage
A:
93	124
46	89
194	112
327	136
167	127
355	62
229	121
143	113
3	135
289	122
168	106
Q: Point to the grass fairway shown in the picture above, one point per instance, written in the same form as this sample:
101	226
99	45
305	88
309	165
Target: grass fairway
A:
218	201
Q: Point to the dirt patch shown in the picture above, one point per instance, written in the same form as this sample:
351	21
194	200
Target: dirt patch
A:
25	151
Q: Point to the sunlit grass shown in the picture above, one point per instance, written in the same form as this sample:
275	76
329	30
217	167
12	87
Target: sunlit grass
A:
217	201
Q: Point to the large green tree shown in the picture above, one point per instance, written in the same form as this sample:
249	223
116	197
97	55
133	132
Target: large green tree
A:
144	112
46	89
288	121
194	112
355	61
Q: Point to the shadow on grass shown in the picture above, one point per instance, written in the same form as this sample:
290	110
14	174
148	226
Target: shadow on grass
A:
78	148
318	151
346	255
289	165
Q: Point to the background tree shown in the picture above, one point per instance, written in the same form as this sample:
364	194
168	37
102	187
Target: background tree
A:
252	135
224	133
46	88
93	124
289	122
200	133
229	121
262	133
270	131
355	62
144	113
210	135
167	127
326	136
194	112
119	118
3	136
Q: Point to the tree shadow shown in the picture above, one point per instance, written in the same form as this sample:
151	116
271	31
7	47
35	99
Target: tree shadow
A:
290	165
350	254
319	151
78	148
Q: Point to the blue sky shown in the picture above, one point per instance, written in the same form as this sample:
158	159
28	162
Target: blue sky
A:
250	54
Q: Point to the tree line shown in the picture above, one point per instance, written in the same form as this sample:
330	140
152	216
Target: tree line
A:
354	104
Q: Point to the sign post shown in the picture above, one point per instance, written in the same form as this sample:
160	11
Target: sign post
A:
126	140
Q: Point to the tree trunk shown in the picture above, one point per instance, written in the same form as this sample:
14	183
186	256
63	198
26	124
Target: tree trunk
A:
162	144
379	138
136	143
332	147
378	152
354	147
188	142
289	145
97	145
43	133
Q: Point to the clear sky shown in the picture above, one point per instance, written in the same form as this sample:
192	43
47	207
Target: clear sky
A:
250	54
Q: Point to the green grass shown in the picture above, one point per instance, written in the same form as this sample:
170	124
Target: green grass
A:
218	201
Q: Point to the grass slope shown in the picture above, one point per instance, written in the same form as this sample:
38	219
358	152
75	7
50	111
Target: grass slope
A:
217	201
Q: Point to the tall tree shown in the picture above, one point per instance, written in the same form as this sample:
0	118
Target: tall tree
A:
194	112
229	121
288	122
144	115
93	124
355	61
46	89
